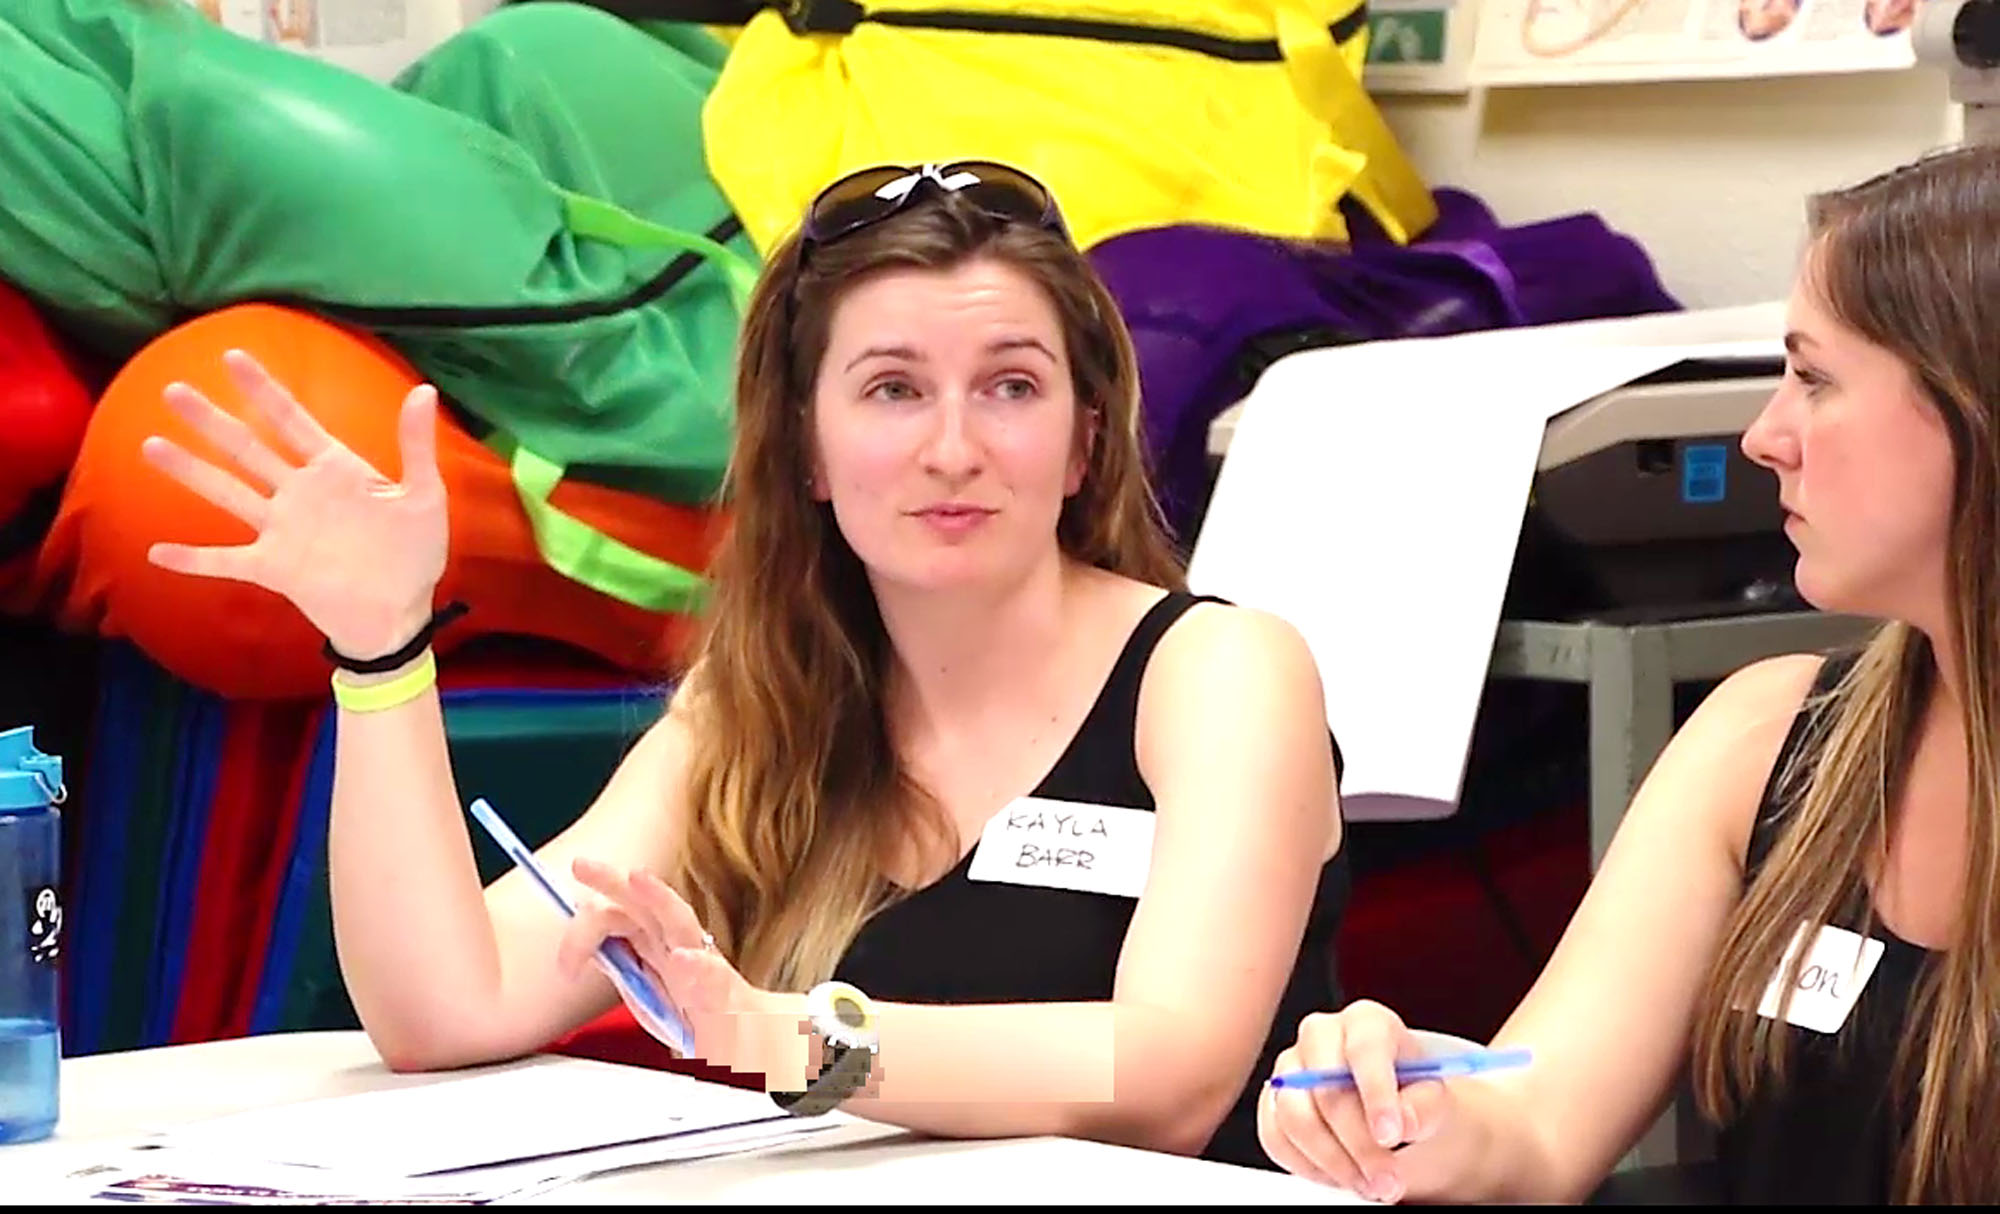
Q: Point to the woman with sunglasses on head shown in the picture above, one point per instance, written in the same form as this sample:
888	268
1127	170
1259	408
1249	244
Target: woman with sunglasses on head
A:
1850	803
960	777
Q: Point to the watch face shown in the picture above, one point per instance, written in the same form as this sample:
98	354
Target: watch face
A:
841	1015
849	1012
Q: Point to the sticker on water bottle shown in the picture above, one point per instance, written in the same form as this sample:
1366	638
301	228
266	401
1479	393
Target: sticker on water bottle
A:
45	926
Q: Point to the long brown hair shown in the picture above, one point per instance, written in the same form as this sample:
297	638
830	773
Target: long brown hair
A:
796	793
1911	262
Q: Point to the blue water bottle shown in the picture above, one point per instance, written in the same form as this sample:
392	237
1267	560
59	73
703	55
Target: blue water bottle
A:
31	936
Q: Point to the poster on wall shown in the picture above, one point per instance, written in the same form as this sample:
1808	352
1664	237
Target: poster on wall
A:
1420	46
377	38
1592	41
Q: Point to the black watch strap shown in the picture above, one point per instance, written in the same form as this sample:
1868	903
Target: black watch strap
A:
844	1021
844	1074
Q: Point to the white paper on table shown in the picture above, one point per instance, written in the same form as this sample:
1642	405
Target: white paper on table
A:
1373	496
169	1176
707	1144
532	1112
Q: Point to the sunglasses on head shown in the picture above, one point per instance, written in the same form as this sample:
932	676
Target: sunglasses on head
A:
872	195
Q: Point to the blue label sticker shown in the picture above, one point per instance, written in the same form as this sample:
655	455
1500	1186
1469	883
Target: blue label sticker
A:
1704	472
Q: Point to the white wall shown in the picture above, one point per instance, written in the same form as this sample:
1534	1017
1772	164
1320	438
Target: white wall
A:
1710	176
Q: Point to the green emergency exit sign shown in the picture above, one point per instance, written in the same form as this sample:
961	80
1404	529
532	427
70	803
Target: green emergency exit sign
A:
1412	35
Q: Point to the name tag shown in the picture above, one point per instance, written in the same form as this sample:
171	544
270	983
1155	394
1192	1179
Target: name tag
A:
1830	981
1097	849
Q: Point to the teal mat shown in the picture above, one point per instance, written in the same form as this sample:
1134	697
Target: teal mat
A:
540	756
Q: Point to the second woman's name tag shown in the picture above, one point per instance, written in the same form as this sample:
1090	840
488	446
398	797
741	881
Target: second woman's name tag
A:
1829	983
1099	849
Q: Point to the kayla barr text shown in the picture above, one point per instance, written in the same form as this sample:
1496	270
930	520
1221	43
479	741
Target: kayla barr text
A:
1063	825
1104	849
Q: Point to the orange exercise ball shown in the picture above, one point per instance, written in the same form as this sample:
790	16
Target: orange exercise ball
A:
244	642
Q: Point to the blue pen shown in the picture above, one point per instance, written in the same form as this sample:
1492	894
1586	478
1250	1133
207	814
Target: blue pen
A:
641	993
1413	1070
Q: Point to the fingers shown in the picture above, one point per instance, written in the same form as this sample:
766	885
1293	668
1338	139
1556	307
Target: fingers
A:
1343	1134
1359	1162
598	920
1297	1140
700	978
638	907
642	1007
416	434
287	416
227	434
233	564
671	919
1368	1120
1424	1105
208	481
1370	1044
690	979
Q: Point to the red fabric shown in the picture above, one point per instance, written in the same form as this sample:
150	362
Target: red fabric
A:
1426	939
487	664
265	755
44	404
616	1037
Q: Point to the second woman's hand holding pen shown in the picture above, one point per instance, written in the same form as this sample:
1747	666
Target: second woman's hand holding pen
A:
1347	1136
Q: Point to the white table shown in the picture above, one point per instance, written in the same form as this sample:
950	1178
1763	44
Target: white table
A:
109	1099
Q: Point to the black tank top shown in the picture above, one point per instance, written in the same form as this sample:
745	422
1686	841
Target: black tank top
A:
964	941
1829	1134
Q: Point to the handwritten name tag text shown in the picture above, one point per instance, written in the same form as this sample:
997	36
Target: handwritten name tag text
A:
1104	849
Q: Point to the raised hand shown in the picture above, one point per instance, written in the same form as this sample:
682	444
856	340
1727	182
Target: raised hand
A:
359	554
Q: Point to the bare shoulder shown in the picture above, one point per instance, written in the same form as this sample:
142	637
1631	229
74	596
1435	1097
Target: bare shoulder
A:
667	739
671	738
1231	707
1757	703
1220	643
1723	757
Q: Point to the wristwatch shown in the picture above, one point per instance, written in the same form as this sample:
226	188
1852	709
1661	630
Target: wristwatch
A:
844	1021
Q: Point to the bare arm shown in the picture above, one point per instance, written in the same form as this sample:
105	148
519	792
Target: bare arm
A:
1232	740
1609	1018
443	973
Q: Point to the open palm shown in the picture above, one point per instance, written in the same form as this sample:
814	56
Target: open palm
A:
357	553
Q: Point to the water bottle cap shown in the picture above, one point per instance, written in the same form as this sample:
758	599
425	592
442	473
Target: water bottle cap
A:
29	779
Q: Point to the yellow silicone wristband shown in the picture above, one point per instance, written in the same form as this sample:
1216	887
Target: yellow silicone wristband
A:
377	696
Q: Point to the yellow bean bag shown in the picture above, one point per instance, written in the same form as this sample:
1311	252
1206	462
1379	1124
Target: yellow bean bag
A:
1138	113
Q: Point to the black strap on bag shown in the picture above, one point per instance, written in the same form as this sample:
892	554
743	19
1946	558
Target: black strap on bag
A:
842	16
